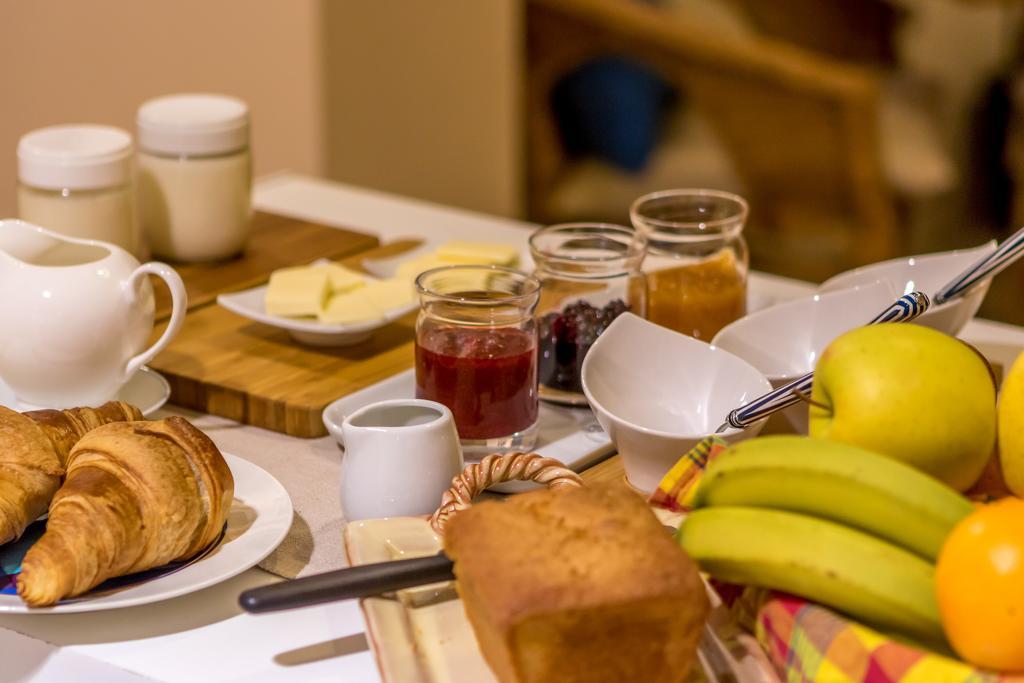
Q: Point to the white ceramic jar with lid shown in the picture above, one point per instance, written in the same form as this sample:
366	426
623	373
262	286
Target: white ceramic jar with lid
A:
195	176
77	180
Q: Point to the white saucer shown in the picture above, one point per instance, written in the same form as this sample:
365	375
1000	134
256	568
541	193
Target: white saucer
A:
147	390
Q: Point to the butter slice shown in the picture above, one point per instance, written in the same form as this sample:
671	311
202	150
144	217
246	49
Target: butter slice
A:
387	295
342	279
410	270
479	253
351	307
297	292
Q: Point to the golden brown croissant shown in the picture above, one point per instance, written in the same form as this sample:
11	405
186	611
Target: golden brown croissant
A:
137	496
34	450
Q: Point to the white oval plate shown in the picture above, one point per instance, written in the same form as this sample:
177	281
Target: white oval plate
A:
147	390
260	517
249	304
388	266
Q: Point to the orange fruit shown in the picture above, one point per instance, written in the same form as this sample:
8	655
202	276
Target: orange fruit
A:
979	583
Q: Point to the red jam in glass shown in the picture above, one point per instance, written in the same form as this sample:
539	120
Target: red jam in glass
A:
486	377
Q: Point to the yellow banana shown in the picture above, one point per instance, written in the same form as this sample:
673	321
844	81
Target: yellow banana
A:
829	563
836	481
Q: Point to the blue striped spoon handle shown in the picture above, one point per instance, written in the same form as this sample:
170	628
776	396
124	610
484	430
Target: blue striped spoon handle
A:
1008	252
907	307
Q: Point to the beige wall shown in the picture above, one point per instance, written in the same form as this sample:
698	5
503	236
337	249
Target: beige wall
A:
410	96
423	99
66	61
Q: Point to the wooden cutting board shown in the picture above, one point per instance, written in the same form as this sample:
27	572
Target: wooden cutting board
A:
276	242
227	365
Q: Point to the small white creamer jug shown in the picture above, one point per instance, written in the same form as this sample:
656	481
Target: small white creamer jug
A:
75	316
400	457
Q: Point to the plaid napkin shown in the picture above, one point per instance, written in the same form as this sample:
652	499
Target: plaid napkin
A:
678	487
809	643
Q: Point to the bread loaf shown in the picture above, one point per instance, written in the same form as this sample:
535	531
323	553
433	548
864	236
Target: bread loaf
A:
577	585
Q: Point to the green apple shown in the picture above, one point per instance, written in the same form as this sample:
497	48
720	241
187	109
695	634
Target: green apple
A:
1011	427
909	392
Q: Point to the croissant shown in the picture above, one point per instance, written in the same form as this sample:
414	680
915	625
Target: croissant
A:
137	495
34	449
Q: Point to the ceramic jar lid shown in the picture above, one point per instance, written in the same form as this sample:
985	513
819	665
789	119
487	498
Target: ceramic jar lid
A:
193	124
76	157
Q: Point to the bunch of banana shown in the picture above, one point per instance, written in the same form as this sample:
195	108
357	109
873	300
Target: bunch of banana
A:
830	522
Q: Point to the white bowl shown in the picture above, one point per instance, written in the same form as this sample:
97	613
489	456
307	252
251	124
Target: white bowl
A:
657	393
927	273
249	303
785	341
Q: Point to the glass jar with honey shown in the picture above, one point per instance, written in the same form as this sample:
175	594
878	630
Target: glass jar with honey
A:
697	259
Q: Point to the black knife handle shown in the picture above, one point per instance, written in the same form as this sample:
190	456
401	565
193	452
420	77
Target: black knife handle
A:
363	581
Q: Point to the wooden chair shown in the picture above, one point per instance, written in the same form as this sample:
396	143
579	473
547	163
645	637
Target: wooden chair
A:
801	129
860	31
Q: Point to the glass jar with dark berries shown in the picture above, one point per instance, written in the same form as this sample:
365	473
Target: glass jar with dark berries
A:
590	274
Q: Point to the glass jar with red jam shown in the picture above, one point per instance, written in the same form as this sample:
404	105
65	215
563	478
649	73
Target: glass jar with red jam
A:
590	273
476	353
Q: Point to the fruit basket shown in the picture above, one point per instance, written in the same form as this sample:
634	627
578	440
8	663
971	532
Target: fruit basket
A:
864	540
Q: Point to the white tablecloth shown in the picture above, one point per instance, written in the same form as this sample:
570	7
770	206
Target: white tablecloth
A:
205	636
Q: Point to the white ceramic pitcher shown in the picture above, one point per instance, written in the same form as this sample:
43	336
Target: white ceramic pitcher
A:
75	316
